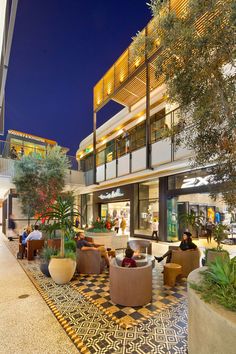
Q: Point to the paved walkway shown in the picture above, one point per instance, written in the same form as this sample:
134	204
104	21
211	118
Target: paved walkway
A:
27	326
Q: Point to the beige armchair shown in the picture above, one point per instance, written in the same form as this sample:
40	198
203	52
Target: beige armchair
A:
130	286
89	262
141	246
189	260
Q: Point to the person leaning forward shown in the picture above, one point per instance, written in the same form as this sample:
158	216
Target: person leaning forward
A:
84	245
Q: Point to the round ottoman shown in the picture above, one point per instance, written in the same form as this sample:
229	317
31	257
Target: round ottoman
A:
171	271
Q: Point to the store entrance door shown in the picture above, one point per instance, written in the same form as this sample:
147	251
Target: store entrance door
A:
117	210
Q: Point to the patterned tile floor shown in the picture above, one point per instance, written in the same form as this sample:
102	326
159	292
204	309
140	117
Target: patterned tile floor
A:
96	289
93	331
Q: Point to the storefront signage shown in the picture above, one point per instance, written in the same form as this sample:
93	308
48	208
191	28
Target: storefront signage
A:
196	182
113	194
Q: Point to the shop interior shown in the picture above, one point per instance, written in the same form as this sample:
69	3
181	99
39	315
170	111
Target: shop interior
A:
202	206
117	210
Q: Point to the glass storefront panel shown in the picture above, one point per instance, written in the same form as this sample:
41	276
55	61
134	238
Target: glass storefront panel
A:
201	207
160	125
117	210
148	206
100	157
87	209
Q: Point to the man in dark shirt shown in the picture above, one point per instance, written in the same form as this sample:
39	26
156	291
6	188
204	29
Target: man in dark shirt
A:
84	245
185	245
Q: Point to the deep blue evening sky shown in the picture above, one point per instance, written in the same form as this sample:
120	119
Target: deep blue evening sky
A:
61	48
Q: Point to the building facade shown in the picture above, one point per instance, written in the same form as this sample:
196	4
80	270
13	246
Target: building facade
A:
132	166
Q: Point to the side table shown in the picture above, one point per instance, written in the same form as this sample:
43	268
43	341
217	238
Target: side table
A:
171	271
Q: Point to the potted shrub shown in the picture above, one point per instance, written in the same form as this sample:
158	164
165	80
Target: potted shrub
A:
46	255
61	217
219	234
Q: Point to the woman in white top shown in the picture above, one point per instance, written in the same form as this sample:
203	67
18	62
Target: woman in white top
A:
155	227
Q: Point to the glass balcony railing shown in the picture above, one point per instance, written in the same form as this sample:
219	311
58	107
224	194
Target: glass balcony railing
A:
16	151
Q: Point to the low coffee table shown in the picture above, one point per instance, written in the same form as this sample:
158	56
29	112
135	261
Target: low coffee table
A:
142	261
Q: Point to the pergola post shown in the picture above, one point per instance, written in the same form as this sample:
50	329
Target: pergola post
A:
94	147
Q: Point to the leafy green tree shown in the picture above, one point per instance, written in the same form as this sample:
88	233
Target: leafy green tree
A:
197	64
39	180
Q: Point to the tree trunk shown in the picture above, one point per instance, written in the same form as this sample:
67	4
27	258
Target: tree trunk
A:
62	250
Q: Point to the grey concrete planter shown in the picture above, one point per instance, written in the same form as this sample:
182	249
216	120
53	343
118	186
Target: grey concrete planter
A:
211	328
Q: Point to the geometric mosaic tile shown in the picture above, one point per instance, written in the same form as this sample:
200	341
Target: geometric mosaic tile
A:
93	331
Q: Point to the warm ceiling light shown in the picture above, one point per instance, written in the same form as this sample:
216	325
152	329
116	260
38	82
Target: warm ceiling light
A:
137	62
98	101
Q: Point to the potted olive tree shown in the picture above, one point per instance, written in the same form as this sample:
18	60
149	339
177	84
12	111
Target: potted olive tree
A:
219	233
61	217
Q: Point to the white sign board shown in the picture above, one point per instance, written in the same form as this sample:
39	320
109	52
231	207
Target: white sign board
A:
114	194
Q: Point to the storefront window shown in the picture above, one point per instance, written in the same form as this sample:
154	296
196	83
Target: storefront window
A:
87	209
148	205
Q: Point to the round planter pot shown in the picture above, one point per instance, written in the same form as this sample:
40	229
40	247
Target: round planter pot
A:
44	268
211	255
62	269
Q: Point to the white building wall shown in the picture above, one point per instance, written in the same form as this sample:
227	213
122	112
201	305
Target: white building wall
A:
161	152
111	170
139	160
101	173
123	165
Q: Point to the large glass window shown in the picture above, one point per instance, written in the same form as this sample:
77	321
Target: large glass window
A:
110	151
160	125
148	205
87	163
87	209
100	157
123	144
138	137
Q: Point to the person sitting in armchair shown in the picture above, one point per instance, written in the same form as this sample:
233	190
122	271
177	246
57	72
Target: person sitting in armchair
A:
185	245
84	245
128	261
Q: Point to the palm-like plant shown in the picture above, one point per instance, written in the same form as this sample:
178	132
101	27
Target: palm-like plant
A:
219	234
191	220
61	217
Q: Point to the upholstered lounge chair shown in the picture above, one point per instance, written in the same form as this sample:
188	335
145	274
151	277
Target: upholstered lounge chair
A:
89	262
189	260
130	286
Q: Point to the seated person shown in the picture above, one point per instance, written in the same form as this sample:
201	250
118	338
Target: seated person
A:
84	245
34	235
26	232
185	245
128	261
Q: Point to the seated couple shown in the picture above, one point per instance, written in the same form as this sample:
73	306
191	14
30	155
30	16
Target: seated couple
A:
84	245
28	235
185	245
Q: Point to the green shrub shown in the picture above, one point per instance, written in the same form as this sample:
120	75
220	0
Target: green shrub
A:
47	253
70	245
219	283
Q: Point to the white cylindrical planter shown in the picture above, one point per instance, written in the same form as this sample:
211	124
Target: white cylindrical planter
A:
62	269
211	327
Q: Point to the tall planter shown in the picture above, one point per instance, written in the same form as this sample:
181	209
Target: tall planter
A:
213	254
62	270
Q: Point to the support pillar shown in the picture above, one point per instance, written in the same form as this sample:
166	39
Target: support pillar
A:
148	138
94	147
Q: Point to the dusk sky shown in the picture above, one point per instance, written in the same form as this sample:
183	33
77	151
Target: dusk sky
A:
60	49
